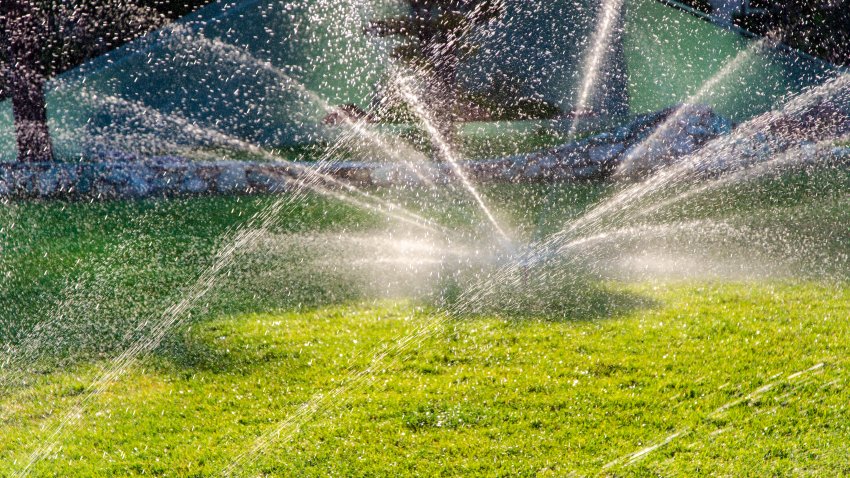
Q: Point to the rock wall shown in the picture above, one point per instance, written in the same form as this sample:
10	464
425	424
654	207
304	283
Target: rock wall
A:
635	149
167	176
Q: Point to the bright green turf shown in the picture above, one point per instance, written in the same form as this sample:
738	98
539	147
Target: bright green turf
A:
713	365
516	395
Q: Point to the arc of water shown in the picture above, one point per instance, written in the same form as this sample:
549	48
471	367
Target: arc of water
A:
597	57
391	355
404	83
446	151
316	172
286	429
741	58
393	147
171	318
626	197
632	458
787	158
662	177
180	34
719	147
175	314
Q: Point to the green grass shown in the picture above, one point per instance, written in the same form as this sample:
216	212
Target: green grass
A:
99	269
604	369
716	365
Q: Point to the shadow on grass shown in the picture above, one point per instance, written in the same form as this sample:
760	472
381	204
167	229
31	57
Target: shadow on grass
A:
557	292
80	282
225	346
83	282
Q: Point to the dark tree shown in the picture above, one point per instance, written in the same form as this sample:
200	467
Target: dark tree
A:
818	27
435	40
42	38
23	24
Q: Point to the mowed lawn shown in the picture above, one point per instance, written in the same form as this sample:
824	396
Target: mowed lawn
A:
666	378
731	379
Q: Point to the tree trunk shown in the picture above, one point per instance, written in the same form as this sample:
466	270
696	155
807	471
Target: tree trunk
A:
25	80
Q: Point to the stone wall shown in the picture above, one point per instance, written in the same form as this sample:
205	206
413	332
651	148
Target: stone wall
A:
634	149
165	176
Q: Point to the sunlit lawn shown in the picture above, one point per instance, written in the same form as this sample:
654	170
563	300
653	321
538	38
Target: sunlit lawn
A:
730	379
654	378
